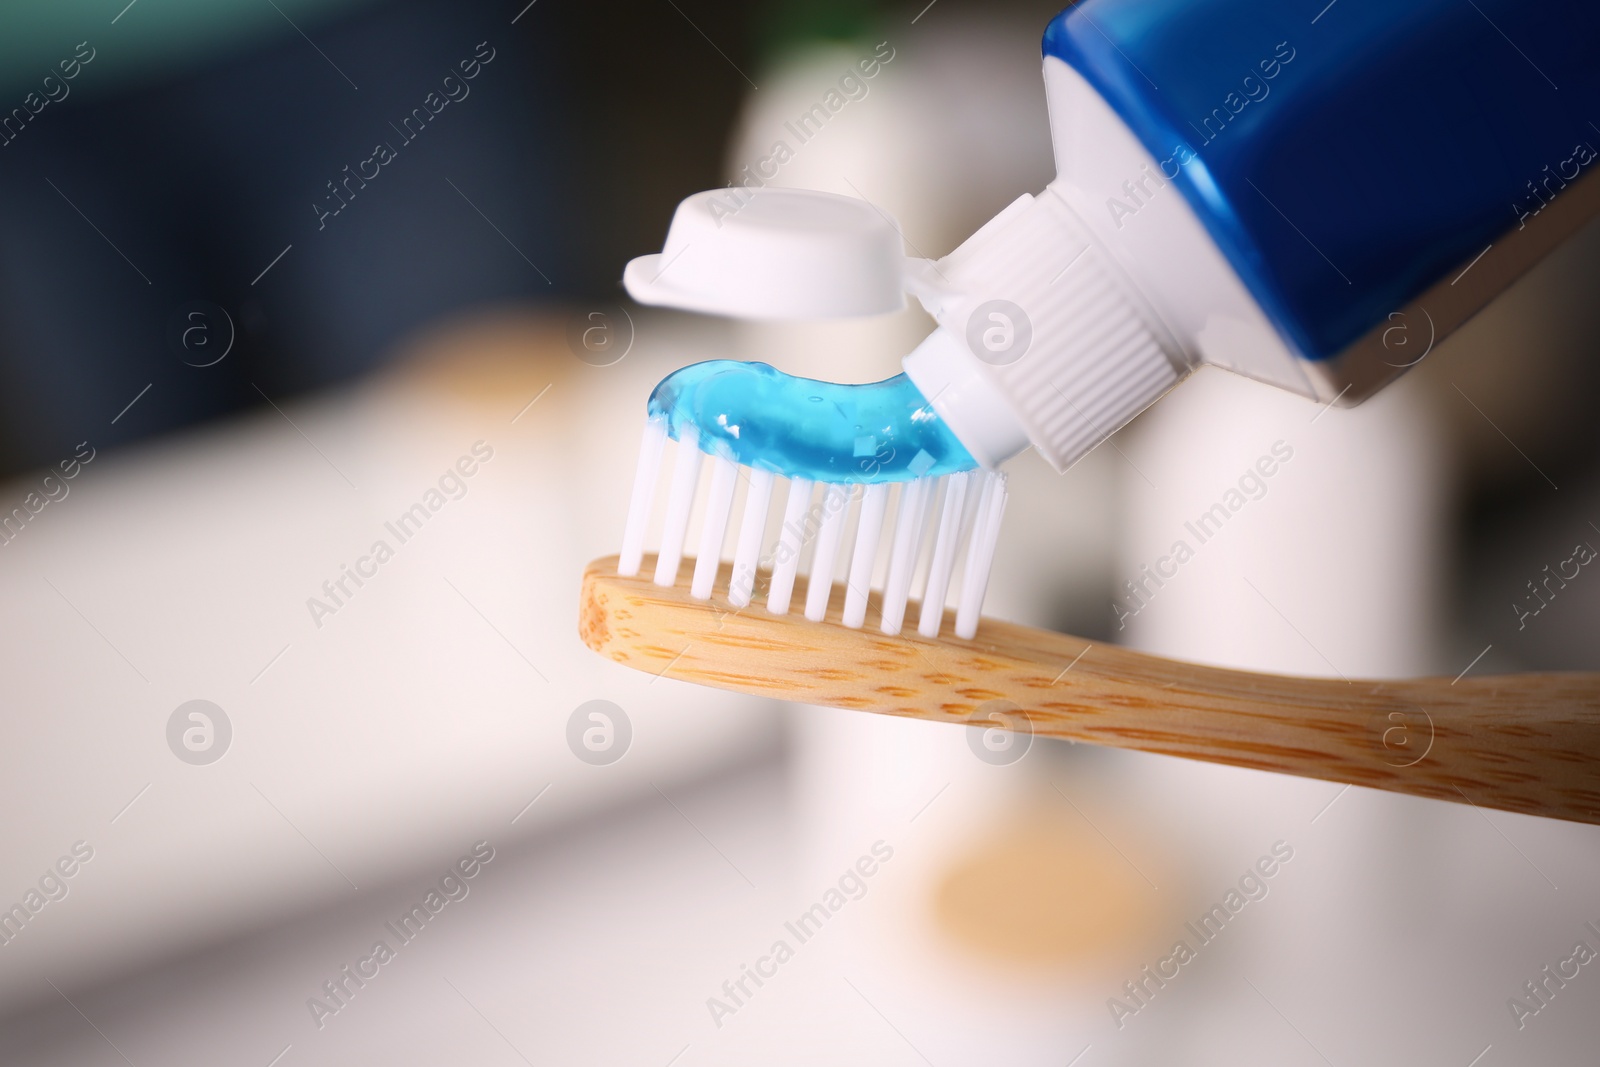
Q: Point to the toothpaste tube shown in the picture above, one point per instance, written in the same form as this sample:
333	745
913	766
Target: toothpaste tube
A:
1311	198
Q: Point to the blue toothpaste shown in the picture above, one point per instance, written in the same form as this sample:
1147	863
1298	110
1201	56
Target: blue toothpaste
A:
762	418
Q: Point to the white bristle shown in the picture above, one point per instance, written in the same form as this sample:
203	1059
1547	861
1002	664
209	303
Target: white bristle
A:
680	498
944	510
980	553
859	582
644	494
724	476
835	507
944	555
748	553
791	539
907	546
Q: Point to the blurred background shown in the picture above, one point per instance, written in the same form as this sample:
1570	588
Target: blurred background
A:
271	272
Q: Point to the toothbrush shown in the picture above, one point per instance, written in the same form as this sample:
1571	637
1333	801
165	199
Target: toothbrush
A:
1528	743
1310	200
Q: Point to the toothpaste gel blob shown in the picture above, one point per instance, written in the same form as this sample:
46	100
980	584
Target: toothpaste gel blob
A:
760	417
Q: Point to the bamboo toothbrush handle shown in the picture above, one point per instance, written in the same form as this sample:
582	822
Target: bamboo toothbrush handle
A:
1524	742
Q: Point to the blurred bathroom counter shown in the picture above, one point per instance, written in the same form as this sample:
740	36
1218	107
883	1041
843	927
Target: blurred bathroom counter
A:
377	587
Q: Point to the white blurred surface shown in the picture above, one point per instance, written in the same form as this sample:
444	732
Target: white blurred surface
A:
1394	936
1333	564
428	711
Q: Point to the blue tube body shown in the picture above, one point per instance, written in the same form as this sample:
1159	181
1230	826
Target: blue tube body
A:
1346	156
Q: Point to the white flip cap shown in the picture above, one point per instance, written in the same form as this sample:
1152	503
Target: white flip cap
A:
775	254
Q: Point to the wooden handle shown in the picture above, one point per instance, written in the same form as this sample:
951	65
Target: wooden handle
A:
1523	742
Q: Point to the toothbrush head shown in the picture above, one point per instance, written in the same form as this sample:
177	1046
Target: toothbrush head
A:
936	514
